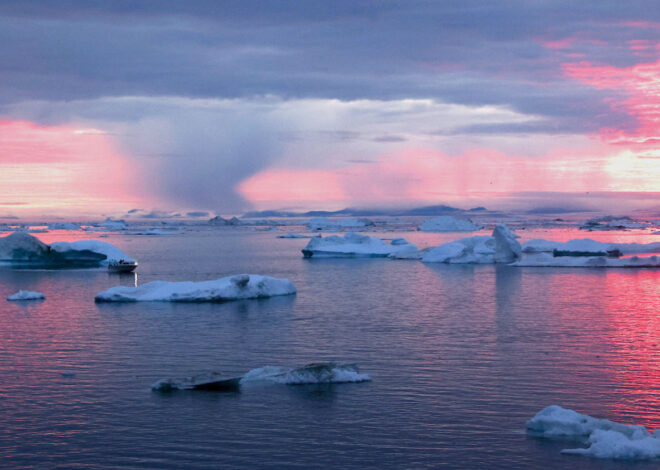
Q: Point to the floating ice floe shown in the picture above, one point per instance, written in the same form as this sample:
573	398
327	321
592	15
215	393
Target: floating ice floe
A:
293	235
611	222
605	439
108	225
549	260
353	245
316	373
242	286
587	245
152	232
323	223
64	226
447	223
26	295
25	249
500	247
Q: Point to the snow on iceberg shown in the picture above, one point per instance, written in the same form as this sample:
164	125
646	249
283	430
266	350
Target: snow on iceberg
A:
323	223
109	251
242	286
606	439
587	245
26	295
500	247
447	223
353	245
315	373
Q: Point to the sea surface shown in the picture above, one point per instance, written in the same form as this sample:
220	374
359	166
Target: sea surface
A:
460	357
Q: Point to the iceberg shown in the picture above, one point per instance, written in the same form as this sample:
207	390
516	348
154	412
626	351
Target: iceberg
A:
108	225
21	248
587	245
447	223
549	260
500	247
315	373
606	439
218	220
242	286
353	245
323	223
26	295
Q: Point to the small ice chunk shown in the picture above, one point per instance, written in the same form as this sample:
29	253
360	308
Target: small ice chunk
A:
606	439
26	295
315	373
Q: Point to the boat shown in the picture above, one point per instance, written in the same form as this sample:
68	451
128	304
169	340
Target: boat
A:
122	266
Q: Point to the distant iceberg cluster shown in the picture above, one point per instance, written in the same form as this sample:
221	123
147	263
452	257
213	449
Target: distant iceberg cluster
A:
242	286
605	439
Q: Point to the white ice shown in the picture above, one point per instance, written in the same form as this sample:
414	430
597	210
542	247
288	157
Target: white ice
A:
610	222
548	260
353	245
447	223
26	295
328	372
500	247
242	286
605	439
539	245
111	252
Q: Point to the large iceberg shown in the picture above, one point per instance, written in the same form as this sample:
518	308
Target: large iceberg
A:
447	223
606	439
26	295
500	247
242	286
25	249
353	245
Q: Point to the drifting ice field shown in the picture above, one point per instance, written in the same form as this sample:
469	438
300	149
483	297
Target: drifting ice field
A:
460	357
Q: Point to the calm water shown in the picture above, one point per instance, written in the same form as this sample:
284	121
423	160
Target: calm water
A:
460	357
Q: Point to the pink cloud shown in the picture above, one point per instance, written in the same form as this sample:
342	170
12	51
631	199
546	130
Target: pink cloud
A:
62	168
641	84
430	176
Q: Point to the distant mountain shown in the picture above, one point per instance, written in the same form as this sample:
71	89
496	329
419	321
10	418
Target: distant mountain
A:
354	212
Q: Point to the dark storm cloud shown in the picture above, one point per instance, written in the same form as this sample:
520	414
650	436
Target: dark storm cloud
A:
460	52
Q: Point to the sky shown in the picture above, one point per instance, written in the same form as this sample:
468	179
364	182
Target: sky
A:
231	106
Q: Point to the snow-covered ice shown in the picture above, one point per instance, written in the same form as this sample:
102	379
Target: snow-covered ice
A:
353	245
587	245
242	286
316	373
501	247
447	223
548	260
111	252
606	439
26	295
